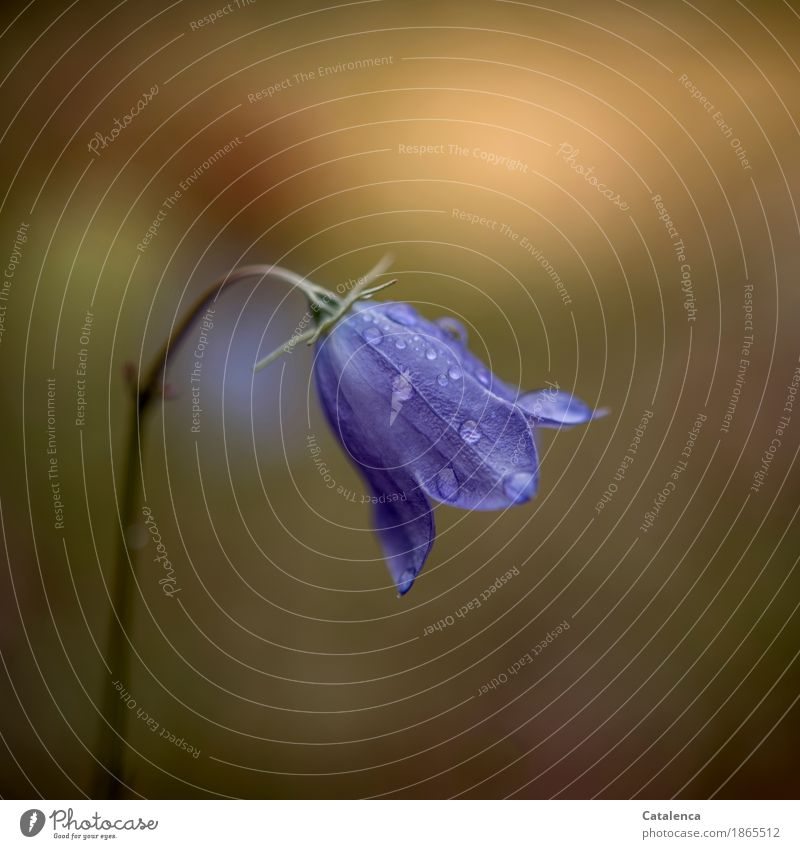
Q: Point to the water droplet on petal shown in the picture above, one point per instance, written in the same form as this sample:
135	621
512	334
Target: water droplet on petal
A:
454	372
483	376
447	484
402	389
405	581
520	486
431	354
399	343
442	380
366	316
454	328
470	432
402	314
373	335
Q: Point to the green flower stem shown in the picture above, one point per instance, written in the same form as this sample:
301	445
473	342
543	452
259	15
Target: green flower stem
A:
109	780
325	319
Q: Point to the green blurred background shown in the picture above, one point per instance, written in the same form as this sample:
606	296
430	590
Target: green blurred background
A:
287	658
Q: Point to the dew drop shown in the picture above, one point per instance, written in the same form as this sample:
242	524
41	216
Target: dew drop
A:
373	335
454	328
431	354
399	343
519	486
470	432
447	484
483	376
402	389
442	380
405	581
454	372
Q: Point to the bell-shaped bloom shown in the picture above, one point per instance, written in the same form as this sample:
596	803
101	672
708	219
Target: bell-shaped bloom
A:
424	420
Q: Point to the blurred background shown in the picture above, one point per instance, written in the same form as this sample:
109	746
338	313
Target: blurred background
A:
605	194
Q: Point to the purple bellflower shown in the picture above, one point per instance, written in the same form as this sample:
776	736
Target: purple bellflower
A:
424	420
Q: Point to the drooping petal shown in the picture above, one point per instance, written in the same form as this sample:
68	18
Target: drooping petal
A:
404	521
468	448
553	408
402	514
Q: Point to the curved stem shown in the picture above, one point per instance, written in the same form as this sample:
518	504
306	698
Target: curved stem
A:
109	781
316	294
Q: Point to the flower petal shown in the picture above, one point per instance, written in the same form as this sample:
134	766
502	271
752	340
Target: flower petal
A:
453	332
404	521
479	454
402	514
417	406
421	416
552	408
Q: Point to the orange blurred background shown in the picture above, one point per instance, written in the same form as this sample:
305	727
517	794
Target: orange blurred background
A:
592	189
